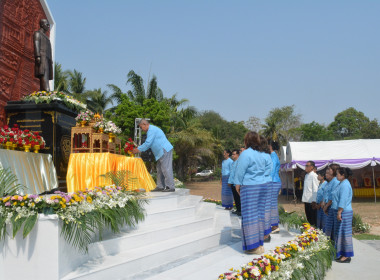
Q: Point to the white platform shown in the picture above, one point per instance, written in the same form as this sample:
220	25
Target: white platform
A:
178	228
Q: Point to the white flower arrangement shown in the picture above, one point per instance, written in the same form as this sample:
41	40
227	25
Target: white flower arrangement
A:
110	127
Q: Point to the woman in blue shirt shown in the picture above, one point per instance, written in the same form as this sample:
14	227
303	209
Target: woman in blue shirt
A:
329	223
341	203
321	188
227	196
251	183
276	186
266	212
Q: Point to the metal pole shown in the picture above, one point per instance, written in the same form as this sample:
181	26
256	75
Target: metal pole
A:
287	183
374	182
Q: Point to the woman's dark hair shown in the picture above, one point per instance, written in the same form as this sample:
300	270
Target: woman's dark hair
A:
345	171
334	167
275	145
264	145
228	151
322	173
252	140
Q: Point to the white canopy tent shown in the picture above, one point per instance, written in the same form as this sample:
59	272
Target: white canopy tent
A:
354	154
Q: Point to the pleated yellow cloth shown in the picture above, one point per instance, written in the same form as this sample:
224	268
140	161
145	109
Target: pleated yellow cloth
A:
84	171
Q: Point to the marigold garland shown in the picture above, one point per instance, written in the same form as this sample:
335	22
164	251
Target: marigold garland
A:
290	259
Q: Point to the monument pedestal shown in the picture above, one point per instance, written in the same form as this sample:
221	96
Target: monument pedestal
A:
53	122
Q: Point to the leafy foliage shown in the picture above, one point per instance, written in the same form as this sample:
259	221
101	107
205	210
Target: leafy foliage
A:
8	183
123	178
282	123
315	132
291	219
81	232
358	226
353	124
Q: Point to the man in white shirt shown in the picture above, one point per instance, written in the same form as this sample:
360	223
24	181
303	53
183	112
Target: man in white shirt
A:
310	190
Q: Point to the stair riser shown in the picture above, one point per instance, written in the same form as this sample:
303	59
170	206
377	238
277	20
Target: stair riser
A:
128	242
161	217
127	270
161	204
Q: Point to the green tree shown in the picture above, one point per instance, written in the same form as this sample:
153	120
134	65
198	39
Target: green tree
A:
282	123
61	78
126	112
371	130
98	100
230	134
193	146
117	93
315	132
253	124
350	124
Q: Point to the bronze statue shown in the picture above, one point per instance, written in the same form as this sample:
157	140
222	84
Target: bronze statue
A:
43	68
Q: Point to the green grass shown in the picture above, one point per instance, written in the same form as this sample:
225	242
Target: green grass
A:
365	236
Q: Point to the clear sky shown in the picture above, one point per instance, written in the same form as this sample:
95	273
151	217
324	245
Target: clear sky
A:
238	58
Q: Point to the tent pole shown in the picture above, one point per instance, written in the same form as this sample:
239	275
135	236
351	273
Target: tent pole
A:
287	185
294	190
374	182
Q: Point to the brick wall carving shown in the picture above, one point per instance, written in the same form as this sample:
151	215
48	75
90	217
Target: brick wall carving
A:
18	21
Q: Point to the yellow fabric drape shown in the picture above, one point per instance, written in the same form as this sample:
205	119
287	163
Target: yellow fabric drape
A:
84	171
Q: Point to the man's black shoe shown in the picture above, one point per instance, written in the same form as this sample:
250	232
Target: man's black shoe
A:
236	212
168	190
157	190
267	240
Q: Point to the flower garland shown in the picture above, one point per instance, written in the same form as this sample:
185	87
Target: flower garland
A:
49	96
307	257
82	212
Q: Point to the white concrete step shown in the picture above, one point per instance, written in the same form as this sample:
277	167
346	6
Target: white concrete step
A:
144	236
211	265
144	258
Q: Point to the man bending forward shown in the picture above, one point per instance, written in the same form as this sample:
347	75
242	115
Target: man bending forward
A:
163	152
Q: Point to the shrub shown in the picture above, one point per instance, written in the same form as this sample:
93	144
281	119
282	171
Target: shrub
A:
358	226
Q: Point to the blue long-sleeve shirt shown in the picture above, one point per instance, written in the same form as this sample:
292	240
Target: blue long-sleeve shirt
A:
321	189
250	168
232	173
332	186
275	168
342	196
157	141
268	167
226	166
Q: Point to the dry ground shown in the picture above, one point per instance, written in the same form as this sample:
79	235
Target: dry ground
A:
366	208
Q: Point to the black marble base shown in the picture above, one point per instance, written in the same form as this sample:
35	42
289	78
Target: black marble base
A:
53	121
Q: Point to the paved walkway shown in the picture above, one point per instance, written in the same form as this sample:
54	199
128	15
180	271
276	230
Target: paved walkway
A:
364	266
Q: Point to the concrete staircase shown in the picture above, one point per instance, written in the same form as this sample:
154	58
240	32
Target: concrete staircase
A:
178	228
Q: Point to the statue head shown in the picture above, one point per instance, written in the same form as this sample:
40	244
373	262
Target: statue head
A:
44	23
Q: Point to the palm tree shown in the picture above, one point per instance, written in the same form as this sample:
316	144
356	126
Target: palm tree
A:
61	78
192	145
97	101
77	85
117	93
137	94
154	91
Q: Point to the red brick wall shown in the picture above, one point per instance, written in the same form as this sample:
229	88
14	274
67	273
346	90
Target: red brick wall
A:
18	21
